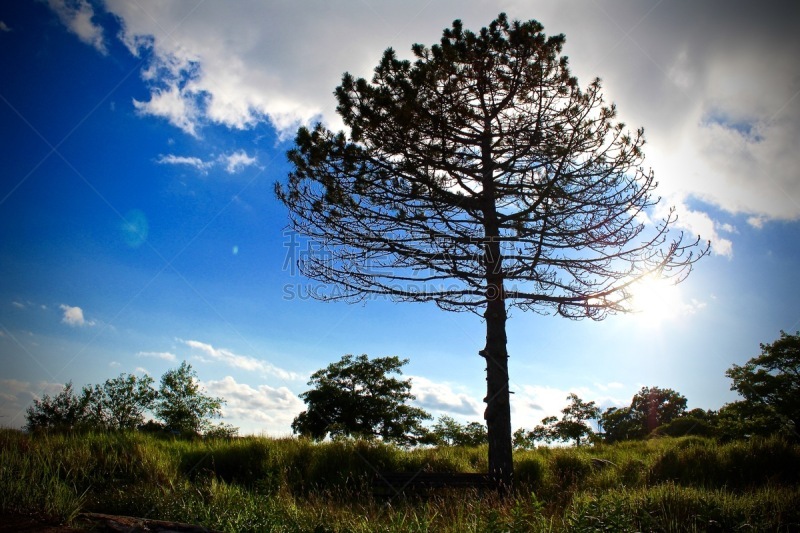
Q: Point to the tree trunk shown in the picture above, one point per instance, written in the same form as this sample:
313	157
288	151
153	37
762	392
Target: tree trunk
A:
498	408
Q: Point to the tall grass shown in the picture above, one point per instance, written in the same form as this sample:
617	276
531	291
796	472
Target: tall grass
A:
262	484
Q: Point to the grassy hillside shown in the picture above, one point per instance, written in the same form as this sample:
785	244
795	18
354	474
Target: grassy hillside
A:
262	484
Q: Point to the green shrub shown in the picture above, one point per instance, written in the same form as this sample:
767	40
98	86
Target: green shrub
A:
570	467
741	464
530	472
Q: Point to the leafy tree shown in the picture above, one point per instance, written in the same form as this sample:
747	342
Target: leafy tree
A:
687	425
64	411
653	406
545	431
221	431
742	419
619	423
449	432
770	387
182	404
356	397
573	424
479	177
650	408
120	402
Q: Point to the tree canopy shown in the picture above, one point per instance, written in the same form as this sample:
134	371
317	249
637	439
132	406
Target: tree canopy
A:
481	176
650	408
770	386
64	411
358	397
121	403
182	403
449	432
573	425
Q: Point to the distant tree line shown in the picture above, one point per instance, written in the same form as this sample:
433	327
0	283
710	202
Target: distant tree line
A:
768	383
359	397
179	404
355	398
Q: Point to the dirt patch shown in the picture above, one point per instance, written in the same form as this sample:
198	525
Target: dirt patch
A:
29	524
97	522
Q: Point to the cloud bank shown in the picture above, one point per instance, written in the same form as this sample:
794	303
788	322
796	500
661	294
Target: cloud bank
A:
715	84
243	362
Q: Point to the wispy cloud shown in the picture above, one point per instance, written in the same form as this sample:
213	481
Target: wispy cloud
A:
4	27
237	161
73	316
77	16
731	149
531	403
194	162
166	356
231	163
244	362
17	395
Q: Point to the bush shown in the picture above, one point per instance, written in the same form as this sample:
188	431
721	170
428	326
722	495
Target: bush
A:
685	426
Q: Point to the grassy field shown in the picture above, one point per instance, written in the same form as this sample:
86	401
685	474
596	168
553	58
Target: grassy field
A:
262	484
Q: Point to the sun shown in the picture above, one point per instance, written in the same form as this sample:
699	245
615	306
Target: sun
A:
655	300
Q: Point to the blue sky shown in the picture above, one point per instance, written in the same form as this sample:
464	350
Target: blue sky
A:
140	144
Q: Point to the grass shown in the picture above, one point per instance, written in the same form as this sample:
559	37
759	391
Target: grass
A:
263	484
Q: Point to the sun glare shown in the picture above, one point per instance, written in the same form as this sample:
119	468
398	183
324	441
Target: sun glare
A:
655	300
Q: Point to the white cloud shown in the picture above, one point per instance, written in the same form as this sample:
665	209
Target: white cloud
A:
77	16
114	364
16	396
166	356
244	362
195	162
697	223
203	71
173	104
440	396
605	387
273	407
232	163
18	305
73	316
237	161
721	122
4	27
532	403
141	370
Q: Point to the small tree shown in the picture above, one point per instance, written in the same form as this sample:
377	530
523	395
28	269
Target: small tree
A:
653	406
480	177
64	411
355	397
770	387
183	405
447	431
572	426
619	423
650	408
124	400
